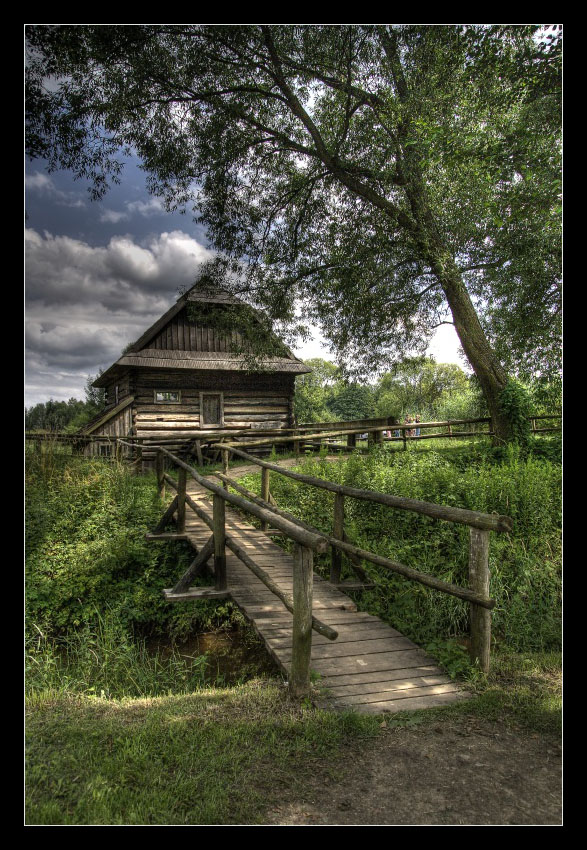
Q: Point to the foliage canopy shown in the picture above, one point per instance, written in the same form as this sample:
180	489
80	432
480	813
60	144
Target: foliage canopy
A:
380	176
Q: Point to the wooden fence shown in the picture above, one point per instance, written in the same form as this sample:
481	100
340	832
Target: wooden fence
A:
308	540
310	435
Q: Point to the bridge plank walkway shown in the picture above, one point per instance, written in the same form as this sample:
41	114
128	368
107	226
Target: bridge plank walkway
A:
370	667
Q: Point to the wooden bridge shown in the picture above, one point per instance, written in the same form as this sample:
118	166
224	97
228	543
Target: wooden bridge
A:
360	661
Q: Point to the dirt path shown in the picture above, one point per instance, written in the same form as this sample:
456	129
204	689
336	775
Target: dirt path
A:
447	773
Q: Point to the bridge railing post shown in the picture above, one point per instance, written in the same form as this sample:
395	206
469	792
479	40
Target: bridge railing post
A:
181	492
160	471
296	443
299	679
338	532
479	582
265	481
219	531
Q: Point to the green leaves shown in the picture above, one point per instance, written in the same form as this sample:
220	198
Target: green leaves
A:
345	168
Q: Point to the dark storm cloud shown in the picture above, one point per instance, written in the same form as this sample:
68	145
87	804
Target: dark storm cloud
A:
85	303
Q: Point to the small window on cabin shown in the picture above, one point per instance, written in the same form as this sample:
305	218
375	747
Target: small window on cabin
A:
105	449
211	409
168	396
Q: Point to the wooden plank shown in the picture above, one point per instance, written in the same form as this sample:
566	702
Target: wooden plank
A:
408	683
411	704
374	662
346	633
195	593
378	676
389	694
358	648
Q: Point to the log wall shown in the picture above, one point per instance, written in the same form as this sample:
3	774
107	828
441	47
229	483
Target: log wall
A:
119	425
257	402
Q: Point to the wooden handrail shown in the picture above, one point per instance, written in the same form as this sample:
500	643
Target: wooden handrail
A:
492	522
477	594
349	549
233	545
306	542
313	541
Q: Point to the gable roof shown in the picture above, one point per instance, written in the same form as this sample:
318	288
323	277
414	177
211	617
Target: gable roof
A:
203	295
104	416
138	355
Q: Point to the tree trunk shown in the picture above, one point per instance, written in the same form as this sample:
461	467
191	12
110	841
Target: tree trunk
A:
485	363
432	248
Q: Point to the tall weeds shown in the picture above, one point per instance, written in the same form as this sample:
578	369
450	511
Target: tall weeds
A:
102	659
525	565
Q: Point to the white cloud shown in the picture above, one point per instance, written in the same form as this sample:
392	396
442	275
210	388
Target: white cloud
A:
145	208
85	303
38	182
42	184
112	216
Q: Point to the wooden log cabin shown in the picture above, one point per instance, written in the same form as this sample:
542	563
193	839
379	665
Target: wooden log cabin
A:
183	380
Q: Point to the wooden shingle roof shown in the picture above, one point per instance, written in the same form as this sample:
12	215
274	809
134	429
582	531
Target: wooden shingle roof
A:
143	353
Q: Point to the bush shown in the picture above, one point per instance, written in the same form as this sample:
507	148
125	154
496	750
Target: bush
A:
86	550
525	565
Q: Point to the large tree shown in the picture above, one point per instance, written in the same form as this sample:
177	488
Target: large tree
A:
384	177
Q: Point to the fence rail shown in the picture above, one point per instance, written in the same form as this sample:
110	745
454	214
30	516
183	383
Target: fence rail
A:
308	540
477	594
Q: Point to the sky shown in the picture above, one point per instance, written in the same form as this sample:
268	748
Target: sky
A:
99	273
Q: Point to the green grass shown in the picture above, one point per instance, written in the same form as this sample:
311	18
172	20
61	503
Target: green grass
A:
212	757
86	520
118	734
224	755
521	690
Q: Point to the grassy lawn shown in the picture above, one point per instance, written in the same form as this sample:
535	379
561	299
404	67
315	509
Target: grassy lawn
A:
228	755
211	757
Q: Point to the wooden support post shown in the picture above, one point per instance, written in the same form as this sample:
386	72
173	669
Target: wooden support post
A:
160	470
296	444
265	492
351	441
166	518
197	567
181	488
338	532
219	512
378	437
479	582
199	453
299	679
404	432
225	455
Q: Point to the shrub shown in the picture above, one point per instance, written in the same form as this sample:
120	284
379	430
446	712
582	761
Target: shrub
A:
525	565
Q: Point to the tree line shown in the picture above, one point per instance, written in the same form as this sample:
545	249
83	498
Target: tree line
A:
413	386
68	416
